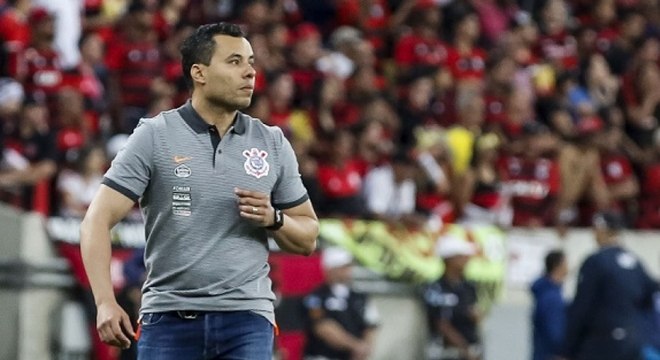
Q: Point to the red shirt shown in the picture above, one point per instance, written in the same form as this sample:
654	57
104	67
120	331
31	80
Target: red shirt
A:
534	185
375	22
495	111
650	199
413	50
340	182
616	168
69	138
44	76
467	66
305	79
561	47
604	39
279	118
137	64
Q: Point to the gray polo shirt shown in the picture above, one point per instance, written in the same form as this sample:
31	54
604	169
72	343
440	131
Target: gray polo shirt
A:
200	254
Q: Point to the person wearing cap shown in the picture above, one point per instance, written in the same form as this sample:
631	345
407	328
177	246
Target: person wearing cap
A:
341	322
451	304
549	314
214	184
614	293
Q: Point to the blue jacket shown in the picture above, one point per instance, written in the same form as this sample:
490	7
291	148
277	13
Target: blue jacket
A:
548	319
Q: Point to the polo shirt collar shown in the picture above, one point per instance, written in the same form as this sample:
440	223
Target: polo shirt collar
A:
192	118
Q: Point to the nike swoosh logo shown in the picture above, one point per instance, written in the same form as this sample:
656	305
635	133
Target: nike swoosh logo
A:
180	159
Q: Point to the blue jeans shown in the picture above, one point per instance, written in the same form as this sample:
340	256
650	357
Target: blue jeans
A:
235	335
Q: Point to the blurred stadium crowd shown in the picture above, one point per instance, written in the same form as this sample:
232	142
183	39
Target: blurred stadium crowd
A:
524	113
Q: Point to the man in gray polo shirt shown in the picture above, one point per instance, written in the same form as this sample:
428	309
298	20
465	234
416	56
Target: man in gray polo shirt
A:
212	182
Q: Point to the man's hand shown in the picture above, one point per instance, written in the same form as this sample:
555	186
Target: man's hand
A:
114	325
255	206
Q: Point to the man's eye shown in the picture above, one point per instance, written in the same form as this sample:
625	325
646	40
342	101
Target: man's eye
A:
234	62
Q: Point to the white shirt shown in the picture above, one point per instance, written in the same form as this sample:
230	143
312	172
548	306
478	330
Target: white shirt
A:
384	196
81	190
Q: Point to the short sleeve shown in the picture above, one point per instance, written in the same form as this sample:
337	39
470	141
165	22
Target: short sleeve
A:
114	57
289	190
439	304
130	170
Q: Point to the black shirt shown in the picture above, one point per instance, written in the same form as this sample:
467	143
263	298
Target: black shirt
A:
350	310
453	301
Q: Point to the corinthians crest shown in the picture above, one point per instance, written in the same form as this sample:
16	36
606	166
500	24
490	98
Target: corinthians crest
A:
255	162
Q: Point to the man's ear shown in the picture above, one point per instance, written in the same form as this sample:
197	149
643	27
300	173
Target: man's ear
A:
198	73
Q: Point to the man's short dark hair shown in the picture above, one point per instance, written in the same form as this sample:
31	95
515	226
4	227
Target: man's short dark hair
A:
199	47
553	260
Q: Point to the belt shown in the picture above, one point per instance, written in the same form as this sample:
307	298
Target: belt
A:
184	314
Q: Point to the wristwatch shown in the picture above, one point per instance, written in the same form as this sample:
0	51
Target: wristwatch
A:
278	220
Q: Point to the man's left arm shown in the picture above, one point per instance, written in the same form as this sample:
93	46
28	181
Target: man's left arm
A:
300	225
299	230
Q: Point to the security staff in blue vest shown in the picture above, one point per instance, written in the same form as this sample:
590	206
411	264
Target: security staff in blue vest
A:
614	293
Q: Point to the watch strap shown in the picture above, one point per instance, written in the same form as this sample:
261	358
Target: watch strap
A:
278	216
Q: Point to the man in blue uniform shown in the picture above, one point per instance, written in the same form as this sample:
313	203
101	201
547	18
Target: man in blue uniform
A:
614	292
549	315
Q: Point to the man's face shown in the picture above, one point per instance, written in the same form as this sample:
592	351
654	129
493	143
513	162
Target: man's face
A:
562	270
229	77
457	262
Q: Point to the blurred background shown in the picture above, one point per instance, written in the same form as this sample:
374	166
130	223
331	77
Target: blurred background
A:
505	123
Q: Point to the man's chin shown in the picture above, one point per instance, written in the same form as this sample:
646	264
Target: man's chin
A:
243	104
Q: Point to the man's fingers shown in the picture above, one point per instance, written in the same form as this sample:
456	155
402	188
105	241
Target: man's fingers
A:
126	323
107	336
118	334
247	193
250	201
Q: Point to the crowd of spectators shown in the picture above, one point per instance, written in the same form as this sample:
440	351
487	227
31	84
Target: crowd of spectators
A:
525	113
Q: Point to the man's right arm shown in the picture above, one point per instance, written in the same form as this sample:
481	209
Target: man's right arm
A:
334	335
107	209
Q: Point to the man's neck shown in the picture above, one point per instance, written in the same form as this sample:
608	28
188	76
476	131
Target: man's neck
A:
555	278
453	276
214	115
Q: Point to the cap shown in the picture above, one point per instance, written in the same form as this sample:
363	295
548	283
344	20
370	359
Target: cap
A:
608	220
334	257
39	14
450	246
